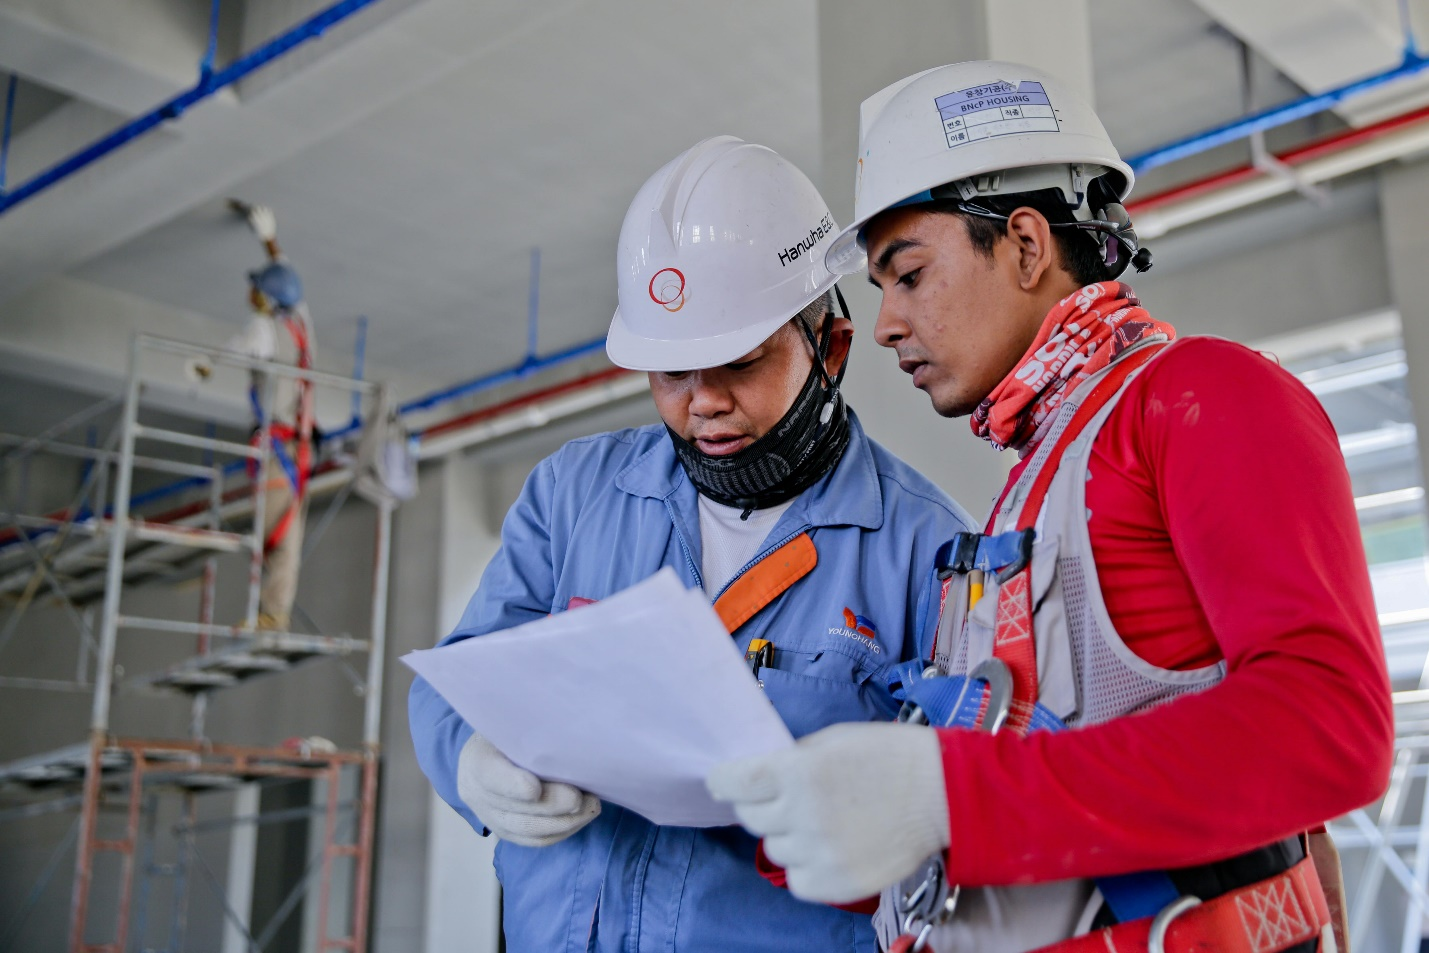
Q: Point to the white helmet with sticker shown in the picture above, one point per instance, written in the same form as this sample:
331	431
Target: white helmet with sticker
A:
719	249
984	127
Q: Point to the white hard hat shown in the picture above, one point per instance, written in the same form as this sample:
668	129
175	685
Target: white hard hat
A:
987	127
719	249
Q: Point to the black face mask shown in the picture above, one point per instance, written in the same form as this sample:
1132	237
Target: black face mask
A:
805	444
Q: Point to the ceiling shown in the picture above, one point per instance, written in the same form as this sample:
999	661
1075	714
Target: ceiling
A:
420	208
423	215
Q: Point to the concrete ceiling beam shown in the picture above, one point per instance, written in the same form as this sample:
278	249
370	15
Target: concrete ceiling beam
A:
1322	44
217	144
124	57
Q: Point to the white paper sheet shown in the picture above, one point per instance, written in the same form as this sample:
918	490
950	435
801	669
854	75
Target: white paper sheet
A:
633	698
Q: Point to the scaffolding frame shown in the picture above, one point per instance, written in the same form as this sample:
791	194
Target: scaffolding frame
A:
88	536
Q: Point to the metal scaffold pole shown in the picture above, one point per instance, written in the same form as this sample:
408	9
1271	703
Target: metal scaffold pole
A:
104	667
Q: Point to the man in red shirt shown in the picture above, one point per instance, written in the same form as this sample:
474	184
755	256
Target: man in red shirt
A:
1174	571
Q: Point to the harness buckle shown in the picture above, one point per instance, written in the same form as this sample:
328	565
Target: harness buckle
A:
1156	941
1024	557
958	556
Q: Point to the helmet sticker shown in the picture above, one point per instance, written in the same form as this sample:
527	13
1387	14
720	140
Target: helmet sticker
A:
995	109
667	289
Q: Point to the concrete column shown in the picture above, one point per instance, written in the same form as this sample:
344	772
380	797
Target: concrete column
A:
1054	35
1404	212
242	849
863	47
463	903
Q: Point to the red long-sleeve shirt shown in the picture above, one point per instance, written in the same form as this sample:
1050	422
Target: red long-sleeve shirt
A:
1222	526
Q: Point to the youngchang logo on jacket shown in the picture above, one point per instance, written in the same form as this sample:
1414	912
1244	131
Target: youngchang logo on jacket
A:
816	234
857	627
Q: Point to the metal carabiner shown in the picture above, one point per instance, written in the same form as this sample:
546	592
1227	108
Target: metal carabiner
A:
925	900
934	901
998	677
1156	940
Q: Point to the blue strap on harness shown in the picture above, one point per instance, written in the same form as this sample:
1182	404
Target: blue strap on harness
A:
286	462
1139	895
955	701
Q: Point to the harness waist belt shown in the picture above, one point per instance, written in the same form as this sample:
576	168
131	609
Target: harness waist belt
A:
1265	917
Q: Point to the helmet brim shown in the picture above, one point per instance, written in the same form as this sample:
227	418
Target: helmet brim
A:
633	352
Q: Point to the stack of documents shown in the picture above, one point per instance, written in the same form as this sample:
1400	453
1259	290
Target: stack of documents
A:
634	699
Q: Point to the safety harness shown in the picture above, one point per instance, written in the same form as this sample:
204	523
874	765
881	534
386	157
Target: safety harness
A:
299	466
1001	693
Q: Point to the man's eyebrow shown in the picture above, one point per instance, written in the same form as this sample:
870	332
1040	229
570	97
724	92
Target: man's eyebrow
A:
891	249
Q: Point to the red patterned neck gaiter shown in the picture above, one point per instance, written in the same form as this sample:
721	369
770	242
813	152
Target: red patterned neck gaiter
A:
1084	333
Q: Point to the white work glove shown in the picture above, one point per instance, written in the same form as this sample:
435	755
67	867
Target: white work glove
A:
847	811
263	222
514	804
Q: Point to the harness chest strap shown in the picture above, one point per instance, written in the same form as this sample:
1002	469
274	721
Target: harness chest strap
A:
1014	641
301	436
765	581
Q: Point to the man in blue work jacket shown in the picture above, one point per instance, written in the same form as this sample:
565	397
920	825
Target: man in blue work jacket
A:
815	544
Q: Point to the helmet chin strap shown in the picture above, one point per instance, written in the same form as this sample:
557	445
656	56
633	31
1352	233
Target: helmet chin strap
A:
821	347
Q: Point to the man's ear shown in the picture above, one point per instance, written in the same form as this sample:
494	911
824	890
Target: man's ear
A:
1031	239
841	339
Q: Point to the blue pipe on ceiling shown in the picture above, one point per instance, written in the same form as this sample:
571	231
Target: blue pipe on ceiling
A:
208	84
1412	65
526	368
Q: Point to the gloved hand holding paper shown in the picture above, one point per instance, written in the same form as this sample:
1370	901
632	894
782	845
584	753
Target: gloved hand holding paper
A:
633	699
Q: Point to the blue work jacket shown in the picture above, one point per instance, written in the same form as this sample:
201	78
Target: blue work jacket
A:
605	512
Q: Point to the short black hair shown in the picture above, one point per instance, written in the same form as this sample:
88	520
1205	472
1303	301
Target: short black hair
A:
813	313
1080	255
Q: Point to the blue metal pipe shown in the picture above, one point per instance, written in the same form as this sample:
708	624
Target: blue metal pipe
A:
309	29
210	53
526	368
1412	65
359	367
